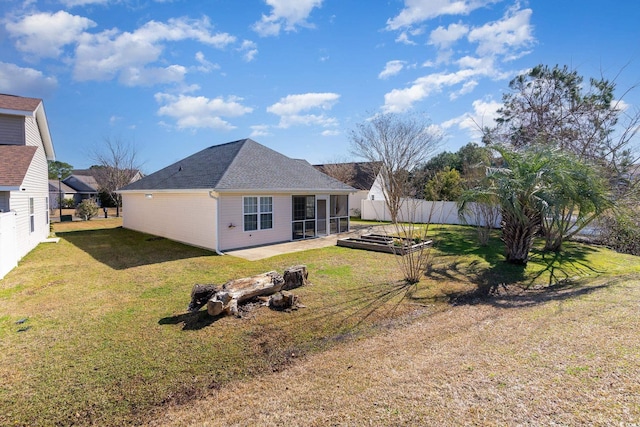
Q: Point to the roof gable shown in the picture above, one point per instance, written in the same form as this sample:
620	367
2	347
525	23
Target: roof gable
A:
14	164
361	175
32	107
238	165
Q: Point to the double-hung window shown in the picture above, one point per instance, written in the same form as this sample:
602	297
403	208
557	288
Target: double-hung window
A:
257	213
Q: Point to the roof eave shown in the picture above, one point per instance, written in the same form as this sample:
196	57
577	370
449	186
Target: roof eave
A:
43	126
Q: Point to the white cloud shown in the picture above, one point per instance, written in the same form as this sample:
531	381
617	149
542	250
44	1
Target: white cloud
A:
400	100
443	38
416	11
105	55
285	14
193	112
249	49
45	34
205	66
72	3
513	31
391	69
290	108
330	132
484	114
259	130
15	79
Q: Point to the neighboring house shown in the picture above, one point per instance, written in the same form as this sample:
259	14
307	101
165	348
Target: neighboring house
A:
59	190
362	176
25	147
84	184
236	195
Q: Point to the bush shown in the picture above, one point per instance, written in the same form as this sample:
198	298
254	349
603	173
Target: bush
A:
621	232
87	209
67	203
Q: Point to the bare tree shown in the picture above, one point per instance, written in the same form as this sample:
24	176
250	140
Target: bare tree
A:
117	165
340	169
399	143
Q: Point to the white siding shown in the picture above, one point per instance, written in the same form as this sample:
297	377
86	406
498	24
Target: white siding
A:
354	201
235	237
36	186
11	130
185	217
376	192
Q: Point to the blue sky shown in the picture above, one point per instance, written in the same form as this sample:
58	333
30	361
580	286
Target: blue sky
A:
174	77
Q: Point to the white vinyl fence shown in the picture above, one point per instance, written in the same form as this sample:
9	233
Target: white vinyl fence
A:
423	211
8	243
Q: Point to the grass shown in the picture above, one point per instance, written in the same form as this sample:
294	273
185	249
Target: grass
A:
107	339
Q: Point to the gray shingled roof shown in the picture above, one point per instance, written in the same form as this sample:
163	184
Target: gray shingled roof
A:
238	165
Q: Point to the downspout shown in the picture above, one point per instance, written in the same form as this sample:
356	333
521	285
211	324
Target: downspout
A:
217	199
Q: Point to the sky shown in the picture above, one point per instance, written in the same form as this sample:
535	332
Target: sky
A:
172	77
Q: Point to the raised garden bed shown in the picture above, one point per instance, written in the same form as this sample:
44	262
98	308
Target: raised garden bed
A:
383	243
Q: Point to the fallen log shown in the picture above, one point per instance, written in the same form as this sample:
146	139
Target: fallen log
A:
225	298
236	291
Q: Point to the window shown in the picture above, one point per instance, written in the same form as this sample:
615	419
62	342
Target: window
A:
257	213
32	216
304	217
339	214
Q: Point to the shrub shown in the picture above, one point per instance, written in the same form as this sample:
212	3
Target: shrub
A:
621	232
87	209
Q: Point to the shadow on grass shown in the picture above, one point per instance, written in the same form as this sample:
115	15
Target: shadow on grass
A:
191	321
549	275
120	248
357	305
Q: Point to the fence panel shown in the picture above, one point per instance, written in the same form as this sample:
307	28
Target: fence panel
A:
424	211
8	243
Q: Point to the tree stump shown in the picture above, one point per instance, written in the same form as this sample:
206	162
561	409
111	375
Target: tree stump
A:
283	300
200	294
225	298
295	276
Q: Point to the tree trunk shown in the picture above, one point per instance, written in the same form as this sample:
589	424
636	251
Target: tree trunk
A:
236	291
517	235
225	298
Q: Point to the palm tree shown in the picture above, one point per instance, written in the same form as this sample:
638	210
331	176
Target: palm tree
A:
579	196
519	187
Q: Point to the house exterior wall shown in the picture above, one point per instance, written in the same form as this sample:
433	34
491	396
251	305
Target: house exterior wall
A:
355	200
35	186
235	237
12	130
376	192
185	217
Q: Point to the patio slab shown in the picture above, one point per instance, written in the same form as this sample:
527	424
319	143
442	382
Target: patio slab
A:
268	251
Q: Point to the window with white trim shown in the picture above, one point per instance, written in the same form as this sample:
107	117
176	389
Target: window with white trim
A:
257	213
32	215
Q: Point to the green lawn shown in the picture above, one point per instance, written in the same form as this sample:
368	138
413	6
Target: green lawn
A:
107	339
